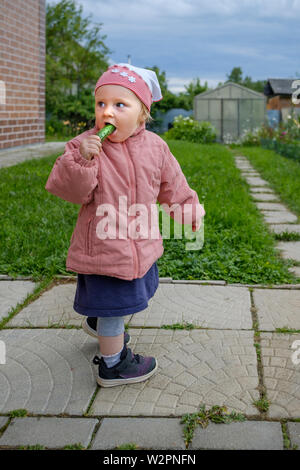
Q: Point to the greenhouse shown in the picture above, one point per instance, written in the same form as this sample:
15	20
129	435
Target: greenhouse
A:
232	109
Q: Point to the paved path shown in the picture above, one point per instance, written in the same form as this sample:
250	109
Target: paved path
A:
13	156
276	215
233	355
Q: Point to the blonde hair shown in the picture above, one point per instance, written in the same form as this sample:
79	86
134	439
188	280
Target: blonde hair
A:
145	115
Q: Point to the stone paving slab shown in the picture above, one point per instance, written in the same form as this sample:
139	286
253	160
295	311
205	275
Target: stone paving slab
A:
261	190
242	161
243	165
53	307
12	293
294	432
195	367
173	303
277	308
280	228
290	250
295	270
248	173
264	197
250	435
205	306
279	354
270	206
255	181
279	217
244	168
47	371
49	432
146	433
3	421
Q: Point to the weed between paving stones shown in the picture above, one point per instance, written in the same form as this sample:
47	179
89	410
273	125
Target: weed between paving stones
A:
216	414
33	447
263	403
77	446
179	326
38	291
20	413
286	438
128	446
286	329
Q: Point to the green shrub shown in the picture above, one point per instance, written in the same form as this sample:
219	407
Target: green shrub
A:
65	128
250	138
187	128
287	149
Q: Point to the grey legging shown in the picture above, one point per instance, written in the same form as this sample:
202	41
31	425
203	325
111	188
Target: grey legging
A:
110	326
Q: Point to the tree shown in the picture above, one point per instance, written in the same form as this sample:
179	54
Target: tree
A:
192	89
236	76
169	99
256	86
76	56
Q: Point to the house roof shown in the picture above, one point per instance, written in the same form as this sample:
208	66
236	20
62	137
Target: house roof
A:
279	86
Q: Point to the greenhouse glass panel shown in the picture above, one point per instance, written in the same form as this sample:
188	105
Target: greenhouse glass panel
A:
214	109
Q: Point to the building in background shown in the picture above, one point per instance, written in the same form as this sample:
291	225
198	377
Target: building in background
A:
22	72
279	93
232	109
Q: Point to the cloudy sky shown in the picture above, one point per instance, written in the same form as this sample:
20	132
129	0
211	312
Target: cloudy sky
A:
202	38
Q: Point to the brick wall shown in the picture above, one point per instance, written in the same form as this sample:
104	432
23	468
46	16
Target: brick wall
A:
22	72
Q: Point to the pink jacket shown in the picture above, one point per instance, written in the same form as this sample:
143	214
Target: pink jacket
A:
142	170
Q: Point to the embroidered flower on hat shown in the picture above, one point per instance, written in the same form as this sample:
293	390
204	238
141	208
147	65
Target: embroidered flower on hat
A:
115	70
131	79
124	74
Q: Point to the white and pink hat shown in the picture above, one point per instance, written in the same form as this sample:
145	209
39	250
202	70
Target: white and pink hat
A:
143	82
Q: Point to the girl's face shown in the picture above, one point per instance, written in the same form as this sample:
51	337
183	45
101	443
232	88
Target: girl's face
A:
119	106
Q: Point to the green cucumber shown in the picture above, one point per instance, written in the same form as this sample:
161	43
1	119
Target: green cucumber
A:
105	131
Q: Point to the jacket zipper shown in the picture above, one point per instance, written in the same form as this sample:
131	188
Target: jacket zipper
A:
132	184
87	243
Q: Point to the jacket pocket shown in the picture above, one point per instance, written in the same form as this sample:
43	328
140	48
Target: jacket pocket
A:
88	235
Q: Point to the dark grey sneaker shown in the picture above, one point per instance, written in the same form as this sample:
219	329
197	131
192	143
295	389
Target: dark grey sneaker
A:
89	325
132	368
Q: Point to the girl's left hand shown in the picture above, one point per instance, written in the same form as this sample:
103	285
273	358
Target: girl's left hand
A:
196	227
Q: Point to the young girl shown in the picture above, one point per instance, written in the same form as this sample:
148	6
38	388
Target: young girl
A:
131	169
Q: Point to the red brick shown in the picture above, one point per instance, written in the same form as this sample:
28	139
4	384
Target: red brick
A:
22	67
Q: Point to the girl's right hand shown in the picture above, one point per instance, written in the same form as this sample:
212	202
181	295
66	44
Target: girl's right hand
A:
90	146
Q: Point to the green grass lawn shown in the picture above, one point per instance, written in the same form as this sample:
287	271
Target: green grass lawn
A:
36	226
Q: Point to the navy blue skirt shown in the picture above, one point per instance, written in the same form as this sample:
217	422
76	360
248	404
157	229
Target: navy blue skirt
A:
106	296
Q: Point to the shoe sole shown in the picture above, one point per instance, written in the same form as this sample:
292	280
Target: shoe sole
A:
132	380
88	330
91	332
